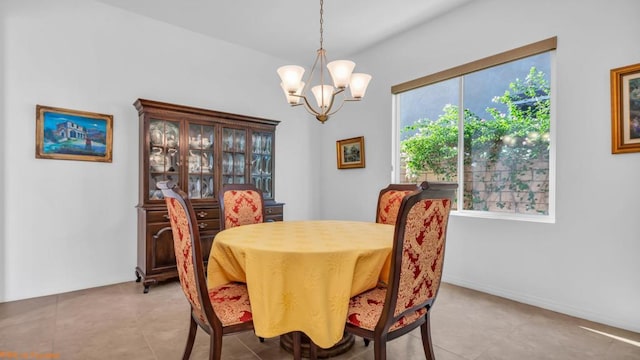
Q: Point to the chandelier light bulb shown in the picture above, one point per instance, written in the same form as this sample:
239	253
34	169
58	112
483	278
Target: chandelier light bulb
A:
359	84
323	95
340	71
293	98
291	76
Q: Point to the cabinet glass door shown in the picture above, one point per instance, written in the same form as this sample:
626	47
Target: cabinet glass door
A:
164	154
200	161
261	162
233	153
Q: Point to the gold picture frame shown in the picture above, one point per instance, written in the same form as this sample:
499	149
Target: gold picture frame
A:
350	153
66	134
625	109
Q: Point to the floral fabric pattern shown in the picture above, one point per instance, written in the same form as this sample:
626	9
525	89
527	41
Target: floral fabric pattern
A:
389	204
231	303
420	268
242	207
184	254
423	252
365	310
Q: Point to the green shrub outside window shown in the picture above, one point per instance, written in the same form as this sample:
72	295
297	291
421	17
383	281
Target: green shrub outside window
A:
505	154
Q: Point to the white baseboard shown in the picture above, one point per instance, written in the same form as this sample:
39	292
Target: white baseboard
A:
545	304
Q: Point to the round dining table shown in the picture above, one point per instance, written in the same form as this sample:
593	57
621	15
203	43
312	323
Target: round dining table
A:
301	274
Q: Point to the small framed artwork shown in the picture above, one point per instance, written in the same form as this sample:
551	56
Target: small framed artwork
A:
350	153
73	135
625	109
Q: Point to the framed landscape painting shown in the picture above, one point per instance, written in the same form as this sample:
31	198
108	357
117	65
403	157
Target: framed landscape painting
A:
350	153
73	135
625	109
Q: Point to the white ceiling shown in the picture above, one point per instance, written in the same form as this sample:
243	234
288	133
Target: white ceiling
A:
290	29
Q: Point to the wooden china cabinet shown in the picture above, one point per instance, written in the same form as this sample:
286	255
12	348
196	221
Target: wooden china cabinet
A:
200	150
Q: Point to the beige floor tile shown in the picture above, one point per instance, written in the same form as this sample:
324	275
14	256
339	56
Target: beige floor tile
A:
120	322
620	350
557	336
18	312
29	336
114	342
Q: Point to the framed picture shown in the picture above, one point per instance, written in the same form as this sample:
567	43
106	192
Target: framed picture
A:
350	153
625	109
73	135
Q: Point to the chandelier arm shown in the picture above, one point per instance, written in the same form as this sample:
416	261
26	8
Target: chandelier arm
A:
307	84
333	98
323	62
321	58
336	110
308	107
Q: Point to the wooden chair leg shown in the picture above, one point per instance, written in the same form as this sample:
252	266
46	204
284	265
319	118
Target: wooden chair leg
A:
366	342
193	328
380	349
297	345
425	330
261	339
215	347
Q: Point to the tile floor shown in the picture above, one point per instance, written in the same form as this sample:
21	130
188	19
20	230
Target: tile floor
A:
119	322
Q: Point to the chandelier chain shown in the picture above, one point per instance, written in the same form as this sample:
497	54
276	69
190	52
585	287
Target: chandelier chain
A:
321	23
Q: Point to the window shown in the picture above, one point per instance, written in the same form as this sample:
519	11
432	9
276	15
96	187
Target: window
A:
498	149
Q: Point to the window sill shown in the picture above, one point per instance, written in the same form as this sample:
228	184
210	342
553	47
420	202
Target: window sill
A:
549	219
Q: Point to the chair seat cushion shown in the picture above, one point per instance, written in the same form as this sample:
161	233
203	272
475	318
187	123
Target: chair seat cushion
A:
231	303
365	310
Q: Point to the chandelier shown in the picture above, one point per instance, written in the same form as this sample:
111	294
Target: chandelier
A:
342	75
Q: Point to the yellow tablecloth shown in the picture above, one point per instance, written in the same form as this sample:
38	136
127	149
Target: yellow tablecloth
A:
301	274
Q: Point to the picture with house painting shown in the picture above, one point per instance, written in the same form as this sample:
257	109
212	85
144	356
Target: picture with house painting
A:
73	135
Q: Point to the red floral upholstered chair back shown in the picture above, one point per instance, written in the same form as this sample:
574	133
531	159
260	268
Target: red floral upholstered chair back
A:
223	309
389	202
240	204
186	244
387	312
422	257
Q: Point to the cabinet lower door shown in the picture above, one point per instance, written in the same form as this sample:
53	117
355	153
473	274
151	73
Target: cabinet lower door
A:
162	254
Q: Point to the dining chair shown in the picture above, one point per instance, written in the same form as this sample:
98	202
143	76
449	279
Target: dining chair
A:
219	311
389	201
240	204
388	312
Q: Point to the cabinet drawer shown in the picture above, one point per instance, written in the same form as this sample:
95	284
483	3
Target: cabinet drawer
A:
157	216
207	214
208	225
274	218
273	210
201	214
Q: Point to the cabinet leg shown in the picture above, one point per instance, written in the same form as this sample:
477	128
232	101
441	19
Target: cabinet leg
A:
138	277
147	283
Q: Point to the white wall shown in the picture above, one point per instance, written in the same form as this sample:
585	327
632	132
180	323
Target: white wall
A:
586	264
68	225
3	169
